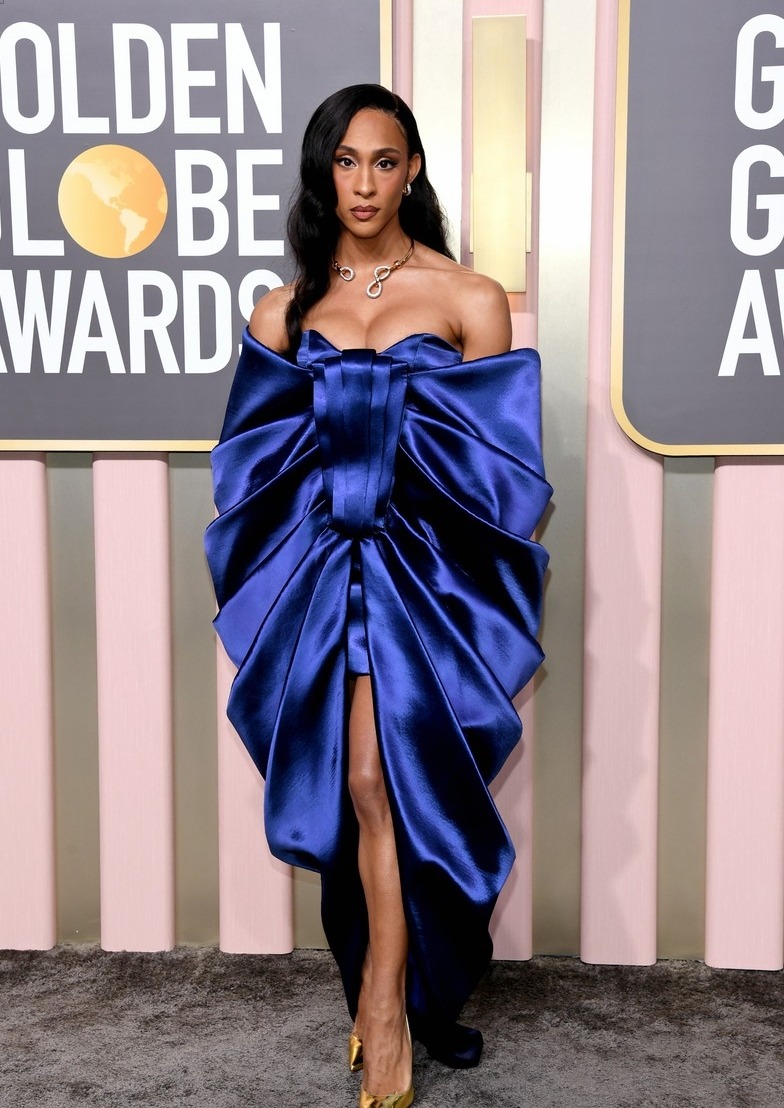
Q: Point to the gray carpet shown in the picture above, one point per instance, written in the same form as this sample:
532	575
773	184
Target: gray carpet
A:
195	1027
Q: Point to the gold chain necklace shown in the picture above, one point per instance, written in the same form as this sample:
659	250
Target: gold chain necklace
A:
380	273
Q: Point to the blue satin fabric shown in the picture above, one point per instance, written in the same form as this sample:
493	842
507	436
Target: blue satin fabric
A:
374	516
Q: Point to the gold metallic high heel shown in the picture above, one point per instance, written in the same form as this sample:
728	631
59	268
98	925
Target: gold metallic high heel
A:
355	1059
391	1100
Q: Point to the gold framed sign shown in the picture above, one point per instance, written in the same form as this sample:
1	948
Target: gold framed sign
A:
698	275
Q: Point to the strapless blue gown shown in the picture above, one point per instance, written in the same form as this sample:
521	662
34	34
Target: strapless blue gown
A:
375	517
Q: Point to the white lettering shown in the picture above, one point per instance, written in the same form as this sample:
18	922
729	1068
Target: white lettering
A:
772	202
751	304
189	201
125	75
744	74
195	328
184	79
29	321
780	294
23	245
94	302
22	328
73	123
42	72
248	203
26	52
241	67
140	322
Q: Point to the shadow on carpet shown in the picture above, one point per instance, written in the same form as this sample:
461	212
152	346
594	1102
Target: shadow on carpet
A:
202	1029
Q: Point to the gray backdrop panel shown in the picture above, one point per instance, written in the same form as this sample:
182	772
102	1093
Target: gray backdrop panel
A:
323	47
682	271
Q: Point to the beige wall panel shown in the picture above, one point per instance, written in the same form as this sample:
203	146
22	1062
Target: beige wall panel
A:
308	931
498	160
195	705
72	562
683	743
564	243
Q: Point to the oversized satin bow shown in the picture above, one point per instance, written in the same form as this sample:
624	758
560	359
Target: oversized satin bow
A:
375	516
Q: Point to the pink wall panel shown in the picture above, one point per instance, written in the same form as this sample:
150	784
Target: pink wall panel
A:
256	889
403	49
512	923
133	611
27	856
623	595
745	868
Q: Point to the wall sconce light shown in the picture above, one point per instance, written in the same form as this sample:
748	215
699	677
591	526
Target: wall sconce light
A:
500	183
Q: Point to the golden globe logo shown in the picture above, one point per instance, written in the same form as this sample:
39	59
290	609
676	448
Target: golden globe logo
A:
112	201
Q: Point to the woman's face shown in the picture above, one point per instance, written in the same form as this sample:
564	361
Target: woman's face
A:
370	170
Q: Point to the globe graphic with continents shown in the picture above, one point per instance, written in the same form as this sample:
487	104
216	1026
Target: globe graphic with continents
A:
112	201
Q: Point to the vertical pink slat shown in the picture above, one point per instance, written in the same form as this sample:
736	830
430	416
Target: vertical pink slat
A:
512	923
256	910
403	49
512	928
27	856
745	869
623	591
133	613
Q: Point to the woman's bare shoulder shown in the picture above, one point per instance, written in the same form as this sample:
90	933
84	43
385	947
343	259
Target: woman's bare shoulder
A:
464	282
486	322
479	304
267	323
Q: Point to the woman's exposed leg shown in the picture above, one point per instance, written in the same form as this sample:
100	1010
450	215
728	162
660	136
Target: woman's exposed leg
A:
381	1015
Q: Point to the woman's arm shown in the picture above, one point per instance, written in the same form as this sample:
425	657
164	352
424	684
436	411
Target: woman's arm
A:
486	325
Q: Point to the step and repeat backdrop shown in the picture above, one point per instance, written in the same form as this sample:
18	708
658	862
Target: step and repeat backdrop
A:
647	803
150	151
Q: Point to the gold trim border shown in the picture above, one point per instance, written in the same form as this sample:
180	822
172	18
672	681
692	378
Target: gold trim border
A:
109	446
618	263
180	446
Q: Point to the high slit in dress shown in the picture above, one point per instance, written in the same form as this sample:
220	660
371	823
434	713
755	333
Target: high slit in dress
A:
375	514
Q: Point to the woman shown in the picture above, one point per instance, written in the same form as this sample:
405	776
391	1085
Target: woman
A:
378	477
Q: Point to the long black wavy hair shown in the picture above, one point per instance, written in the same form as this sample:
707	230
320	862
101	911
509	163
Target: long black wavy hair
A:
313	226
